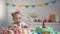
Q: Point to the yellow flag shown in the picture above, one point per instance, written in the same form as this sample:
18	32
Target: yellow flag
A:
40	5
19	5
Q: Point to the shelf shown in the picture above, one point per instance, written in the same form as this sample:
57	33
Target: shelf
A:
45	23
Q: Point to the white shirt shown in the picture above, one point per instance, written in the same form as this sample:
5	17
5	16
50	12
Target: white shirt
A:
21	25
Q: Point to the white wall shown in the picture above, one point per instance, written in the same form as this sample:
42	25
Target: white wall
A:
40	11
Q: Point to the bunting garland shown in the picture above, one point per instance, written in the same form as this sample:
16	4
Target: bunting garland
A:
32	5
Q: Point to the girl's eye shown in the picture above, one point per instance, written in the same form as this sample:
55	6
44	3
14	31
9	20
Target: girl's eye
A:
15	18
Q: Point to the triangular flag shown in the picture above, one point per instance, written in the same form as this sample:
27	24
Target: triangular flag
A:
39	5
19	5
13	5
26	6
46	3
7	4
53	2
33	6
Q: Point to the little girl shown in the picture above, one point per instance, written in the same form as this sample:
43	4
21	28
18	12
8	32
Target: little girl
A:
16	16
17	24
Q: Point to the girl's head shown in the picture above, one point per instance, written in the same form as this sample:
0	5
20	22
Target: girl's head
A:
16	17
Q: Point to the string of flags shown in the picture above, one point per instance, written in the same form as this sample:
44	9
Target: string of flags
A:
33	5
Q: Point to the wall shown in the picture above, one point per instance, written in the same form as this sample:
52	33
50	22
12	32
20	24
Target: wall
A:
40	11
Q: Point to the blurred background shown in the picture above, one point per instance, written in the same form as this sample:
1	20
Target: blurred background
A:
39	9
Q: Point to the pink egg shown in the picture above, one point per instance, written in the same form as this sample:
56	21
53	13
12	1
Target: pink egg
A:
19	31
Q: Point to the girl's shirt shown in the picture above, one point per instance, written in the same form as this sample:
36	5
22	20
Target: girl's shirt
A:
21	25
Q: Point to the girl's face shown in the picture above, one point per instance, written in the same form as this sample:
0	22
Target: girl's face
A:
17	18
